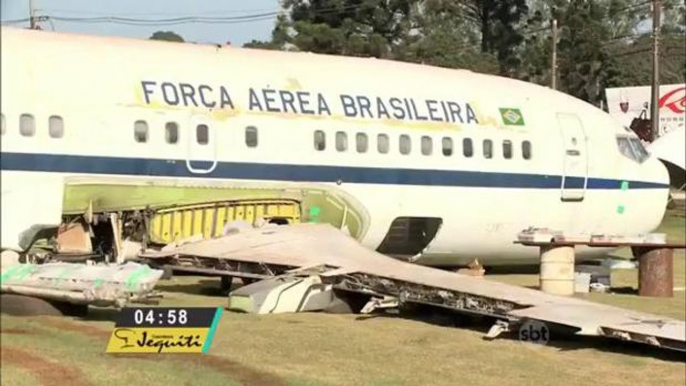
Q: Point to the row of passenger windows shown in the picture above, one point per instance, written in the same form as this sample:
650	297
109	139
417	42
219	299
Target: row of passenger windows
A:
141	133
426	145
27	125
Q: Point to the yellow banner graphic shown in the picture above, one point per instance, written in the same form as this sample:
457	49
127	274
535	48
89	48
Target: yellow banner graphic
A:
158	340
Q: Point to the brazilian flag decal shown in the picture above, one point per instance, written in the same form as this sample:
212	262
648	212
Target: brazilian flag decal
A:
512	117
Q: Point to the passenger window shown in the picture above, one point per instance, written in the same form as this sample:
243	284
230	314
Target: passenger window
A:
171	132
507	149
427	145
4	127
55	126
251	136
341	141
467	147
526	150
488	148
382	143
202	134
319	140
27	125
362	142
405	144
140	131
447	146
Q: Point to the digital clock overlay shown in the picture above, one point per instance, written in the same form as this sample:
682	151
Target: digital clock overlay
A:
164	330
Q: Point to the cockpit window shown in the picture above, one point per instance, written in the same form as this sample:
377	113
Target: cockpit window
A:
632	148
638	149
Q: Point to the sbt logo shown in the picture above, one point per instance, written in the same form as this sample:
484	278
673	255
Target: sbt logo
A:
535	332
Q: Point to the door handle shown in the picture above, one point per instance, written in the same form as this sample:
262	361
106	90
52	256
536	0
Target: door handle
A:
573	152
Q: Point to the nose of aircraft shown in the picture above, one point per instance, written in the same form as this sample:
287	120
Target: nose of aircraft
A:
657	173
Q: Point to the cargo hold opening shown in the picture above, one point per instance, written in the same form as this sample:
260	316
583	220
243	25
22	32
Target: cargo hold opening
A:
408	236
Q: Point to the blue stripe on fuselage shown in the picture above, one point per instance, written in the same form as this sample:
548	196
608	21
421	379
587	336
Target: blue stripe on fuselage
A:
301	173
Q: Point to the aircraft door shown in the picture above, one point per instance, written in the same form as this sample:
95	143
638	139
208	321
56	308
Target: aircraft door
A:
575	164
202	145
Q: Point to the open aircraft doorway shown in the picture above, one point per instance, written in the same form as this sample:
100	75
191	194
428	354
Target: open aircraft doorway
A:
409	236
202	145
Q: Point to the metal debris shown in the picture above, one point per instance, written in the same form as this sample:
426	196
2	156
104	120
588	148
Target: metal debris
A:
351	267
102	285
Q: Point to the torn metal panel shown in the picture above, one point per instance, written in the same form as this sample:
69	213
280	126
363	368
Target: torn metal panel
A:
74	238
352	267
81	284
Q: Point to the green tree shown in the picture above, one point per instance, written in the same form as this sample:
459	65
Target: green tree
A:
167	36
536	50
444	37
346	27
586	68
601	43
498	22
634	60
279	38
435	32
633	54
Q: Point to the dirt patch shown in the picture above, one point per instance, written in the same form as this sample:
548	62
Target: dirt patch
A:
234	370
20	331
81	328
244	374
47	372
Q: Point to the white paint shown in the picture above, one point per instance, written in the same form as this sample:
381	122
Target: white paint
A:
94	84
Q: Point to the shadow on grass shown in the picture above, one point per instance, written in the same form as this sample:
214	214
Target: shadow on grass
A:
98	314
203	287
562	337
626	290
437	317
616	346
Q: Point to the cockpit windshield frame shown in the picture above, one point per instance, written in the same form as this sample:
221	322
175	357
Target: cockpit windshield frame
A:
632	148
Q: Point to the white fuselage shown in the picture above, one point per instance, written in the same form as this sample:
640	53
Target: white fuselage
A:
576	179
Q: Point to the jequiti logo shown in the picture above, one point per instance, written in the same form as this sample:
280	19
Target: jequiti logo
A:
533	331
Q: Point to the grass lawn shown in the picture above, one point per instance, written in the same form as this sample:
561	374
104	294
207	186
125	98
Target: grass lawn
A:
325	349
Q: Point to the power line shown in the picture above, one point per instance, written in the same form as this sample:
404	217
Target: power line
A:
631	7
54	11
169	21
180	20
16	21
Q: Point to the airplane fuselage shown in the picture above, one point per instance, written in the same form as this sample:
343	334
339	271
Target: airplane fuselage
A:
487	156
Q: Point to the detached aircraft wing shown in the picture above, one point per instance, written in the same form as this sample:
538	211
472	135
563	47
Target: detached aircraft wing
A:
348	266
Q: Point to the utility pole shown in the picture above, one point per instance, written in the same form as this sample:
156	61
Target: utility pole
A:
655	87
553	65
32	17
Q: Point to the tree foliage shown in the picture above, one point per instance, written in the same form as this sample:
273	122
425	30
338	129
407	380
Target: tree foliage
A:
601	43
167	36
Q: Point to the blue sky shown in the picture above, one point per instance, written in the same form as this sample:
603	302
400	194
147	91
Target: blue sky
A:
152	9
